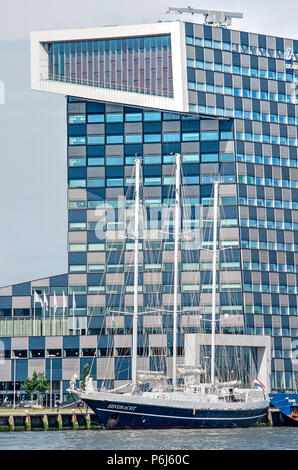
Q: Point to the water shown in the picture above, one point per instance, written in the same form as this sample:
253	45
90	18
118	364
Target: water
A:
262	438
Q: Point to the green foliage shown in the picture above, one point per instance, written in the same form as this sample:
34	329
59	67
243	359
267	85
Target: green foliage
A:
85	373
37	384
42	384
30	385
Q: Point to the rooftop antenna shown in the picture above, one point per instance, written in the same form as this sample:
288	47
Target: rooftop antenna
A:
221	19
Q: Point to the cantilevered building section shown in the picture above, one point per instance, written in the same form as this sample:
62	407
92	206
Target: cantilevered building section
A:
142	65
226	101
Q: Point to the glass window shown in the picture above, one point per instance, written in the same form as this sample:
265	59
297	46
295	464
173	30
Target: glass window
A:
77	161
77	247
95	118
115	117
190	158
225	135
96	139
77	204
77	140
76	118
151	138
77	268
96	182
114	139
210	135
133	139
190	136
131	160
174	137
96	161
191	179
152	181
171	117
228	200
114	160
77	226
96	247
209	157
98	268
76	183
167	180
112	182
152	116
152	159
169	159
227	157
133	117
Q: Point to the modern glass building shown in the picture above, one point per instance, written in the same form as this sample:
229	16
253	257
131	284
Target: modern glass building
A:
226	101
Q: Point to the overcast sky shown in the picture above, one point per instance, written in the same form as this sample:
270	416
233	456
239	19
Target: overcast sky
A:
33	233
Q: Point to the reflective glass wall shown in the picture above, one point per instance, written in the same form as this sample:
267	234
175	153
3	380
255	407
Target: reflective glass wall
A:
139	64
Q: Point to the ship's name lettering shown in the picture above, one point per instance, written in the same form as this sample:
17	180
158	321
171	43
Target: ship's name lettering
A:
121	407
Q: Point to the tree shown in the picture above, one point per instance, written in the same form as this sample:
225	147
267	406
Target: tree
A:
85	373
38	384
42	384
30	385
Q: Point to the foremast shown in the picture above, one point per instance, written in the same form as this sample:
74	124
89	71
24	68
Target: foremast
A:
136	277
214	276
176	264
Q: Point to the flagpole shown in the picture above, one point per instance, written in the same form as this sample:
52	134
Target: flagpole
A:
63	312
44	314
63	329
34	320
73	313
44	319
54	319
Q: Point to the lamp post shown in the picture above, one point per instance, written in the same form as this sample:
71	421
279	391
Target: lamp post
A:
51	378
14	383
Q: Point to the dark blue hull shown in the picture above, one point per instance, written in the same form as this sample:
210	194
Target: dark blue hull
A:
287	404
127	416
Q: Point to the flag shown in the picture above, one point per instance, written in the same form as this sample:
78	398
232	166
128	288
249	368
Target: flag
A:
64	303
37	298
257	383
55	303
45	301
73	301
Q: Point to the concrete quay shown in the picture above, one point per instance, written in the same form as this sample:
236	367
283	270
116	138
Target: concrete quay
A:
45	420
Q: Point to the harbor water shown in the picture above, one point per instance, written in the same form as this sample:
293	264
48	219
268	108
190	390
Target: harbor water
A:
258	438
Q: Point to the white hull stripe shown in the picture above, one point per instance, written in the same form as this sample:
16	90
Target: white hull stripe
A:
179	417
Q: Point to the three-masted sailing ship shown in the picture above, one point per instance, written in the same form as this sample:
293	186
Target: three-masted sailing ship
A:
177	405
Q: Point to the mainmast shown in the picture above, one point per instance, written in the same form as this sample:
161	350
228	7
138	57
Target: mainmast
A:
214	261
136	277
176	246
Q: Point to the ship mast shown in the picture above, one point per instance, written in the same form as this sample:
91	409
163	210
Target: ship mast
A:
136	277
176	246
214	261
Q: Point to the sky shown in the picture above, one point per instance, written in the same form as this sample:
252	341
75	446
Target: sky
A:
33	177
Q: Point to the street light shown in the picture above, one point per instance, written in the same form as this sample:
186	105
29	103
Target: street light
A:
51	381
14	383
